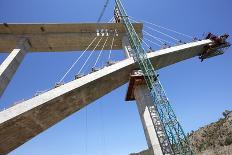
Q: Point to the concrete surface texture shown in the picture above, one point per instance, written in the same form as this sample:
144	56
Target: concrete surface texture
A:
62	37
11	63
25	120
144	103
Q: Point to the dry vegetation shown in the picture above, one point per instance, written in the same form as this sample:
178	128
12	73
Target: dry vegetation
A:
213	139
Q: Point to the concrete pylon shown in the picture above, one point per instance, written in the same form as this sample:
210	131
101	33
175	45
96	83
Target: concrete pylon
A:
141	94
11	64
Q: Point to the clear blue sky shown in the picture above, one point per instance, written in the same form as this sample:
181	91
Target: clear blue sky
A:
199	92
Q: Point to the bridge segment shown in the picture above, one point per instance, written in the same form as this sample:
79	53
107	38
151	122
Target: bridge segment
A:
26	120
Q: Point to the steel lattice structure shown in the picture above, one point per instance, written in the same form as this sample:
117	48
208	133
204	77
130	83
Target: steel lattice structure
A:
170	134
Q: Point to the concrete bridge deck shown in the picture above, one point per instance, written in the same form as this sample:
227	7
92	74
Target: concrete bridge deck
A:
61	37
25	120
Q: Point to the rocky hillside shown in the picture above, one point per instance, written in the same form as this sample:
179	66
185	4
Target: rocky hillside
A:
213	139
145	152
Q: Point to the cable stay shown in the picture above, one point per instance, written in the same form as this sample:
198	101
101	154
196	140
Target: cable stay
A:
159	32
162	41
77	60
149	47
141	40
95	64
163	33
153	42
88	57
162	27
144	42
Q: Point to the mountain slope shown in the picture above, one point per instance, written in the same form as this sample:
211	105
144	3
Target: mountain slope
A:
213	139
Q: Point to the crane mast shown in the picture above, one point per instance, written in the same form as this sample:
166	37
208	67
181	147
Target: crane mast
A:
170	134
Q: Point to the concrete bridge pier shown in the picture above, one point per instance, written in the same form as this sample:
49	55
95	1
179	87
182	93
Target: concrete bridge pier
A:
11	64
144	102
137	90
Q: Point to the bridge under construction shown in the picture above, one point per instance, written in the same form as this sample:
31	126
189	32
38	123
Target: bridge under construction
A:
28	118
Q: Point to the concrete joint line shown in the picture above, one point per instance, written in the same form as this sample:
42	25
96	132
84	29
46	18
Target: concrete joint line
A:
23	44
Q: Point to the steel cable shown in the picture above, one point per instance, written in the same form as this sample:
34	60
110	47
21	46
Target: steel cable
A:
89	56
77	60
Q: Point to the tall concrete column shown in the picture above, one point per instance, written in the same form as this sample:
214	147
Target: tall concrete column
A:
11	64
144	101
141	94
